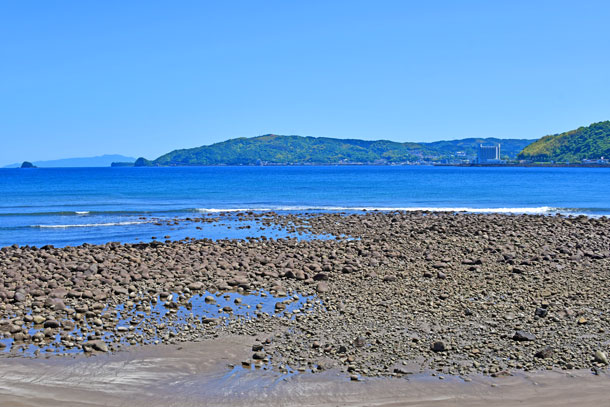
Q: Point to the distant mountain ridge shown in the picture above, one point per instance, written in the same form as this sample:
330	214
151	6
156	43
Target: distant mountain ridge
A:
97	161
585	143
276	149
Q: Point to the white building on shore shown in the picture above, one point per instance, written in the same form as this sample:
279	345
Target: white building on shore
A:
489	154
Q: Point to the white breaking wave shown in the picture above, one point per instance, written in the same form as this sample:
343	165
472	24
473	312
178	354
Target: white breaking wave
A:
525	210
216	210
81	212
87	225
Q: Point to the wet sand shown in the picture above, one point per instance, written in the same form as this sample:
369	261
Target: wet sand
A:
198	374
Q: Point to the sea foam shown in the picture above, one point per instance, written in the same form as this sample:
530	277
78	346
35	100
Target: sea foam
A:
520	210
86	225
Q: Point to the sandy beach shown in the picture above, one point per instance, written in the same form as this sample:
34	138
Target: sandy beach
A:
198	374
399	309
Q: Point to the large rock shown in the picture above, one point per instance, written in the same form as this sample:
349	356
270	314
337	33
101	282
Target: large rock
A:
321	277
51	323
545	353
55	304
322	287
98	345
438	346
524	336
38	319
541	312
19	296
259	355
601	357
196	286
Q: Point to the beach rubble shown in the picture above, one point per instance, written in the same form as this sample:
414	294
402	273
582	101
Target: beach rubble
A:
451	293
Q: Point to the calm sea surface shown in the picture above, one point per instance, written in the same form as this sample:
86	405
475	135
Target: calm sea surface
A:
69	206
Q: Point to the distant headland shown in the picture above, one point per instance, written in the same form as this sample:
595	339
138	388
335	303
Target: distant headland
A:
271	149
585	146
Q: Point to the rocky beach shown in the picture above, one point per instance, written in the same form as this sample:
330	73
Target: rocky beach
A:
395	295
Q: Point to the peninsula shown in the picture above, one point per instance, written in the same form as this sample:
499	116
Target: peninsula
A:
583	146
271	149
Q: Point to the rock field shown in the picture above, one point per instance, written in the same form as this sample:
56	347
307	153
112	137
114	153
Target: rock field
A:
395	293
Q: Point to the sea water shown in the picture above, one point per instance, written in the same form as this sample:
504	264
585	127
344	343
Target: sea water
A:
70	206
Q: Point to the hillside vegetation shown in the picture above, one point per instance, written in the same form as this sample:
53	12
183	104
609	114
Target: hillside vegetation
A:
275	149
591	142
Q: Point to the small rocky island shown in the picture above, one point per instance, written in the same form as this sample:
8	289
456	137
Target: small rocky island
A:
27	164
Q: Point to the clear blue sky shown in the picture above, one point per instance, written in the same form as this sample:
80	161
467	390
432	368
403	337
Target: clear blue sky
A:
141	78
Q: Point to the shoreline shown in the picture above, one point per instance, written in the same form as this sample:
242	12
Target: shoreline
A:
428	164
194	373
402	293
240	223
524	165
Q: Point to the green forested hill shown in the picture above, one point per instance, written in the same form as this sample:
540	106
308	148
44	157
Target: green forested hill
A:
591	142
274	149
287	149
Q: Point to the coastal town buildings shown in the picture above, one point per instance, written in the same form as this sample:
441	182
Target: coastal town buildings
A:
488	154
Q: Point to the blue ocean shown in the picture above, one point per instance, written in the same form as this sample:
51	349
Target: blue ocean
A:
71	206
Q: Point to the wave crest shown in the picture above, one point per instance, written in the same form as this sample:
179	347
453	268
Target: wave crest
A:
86	225
521	210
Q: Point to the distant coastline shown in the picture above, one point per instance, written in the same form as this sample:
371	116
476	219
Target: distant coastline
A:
583	147
577	165
272	149
82	162
426	164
